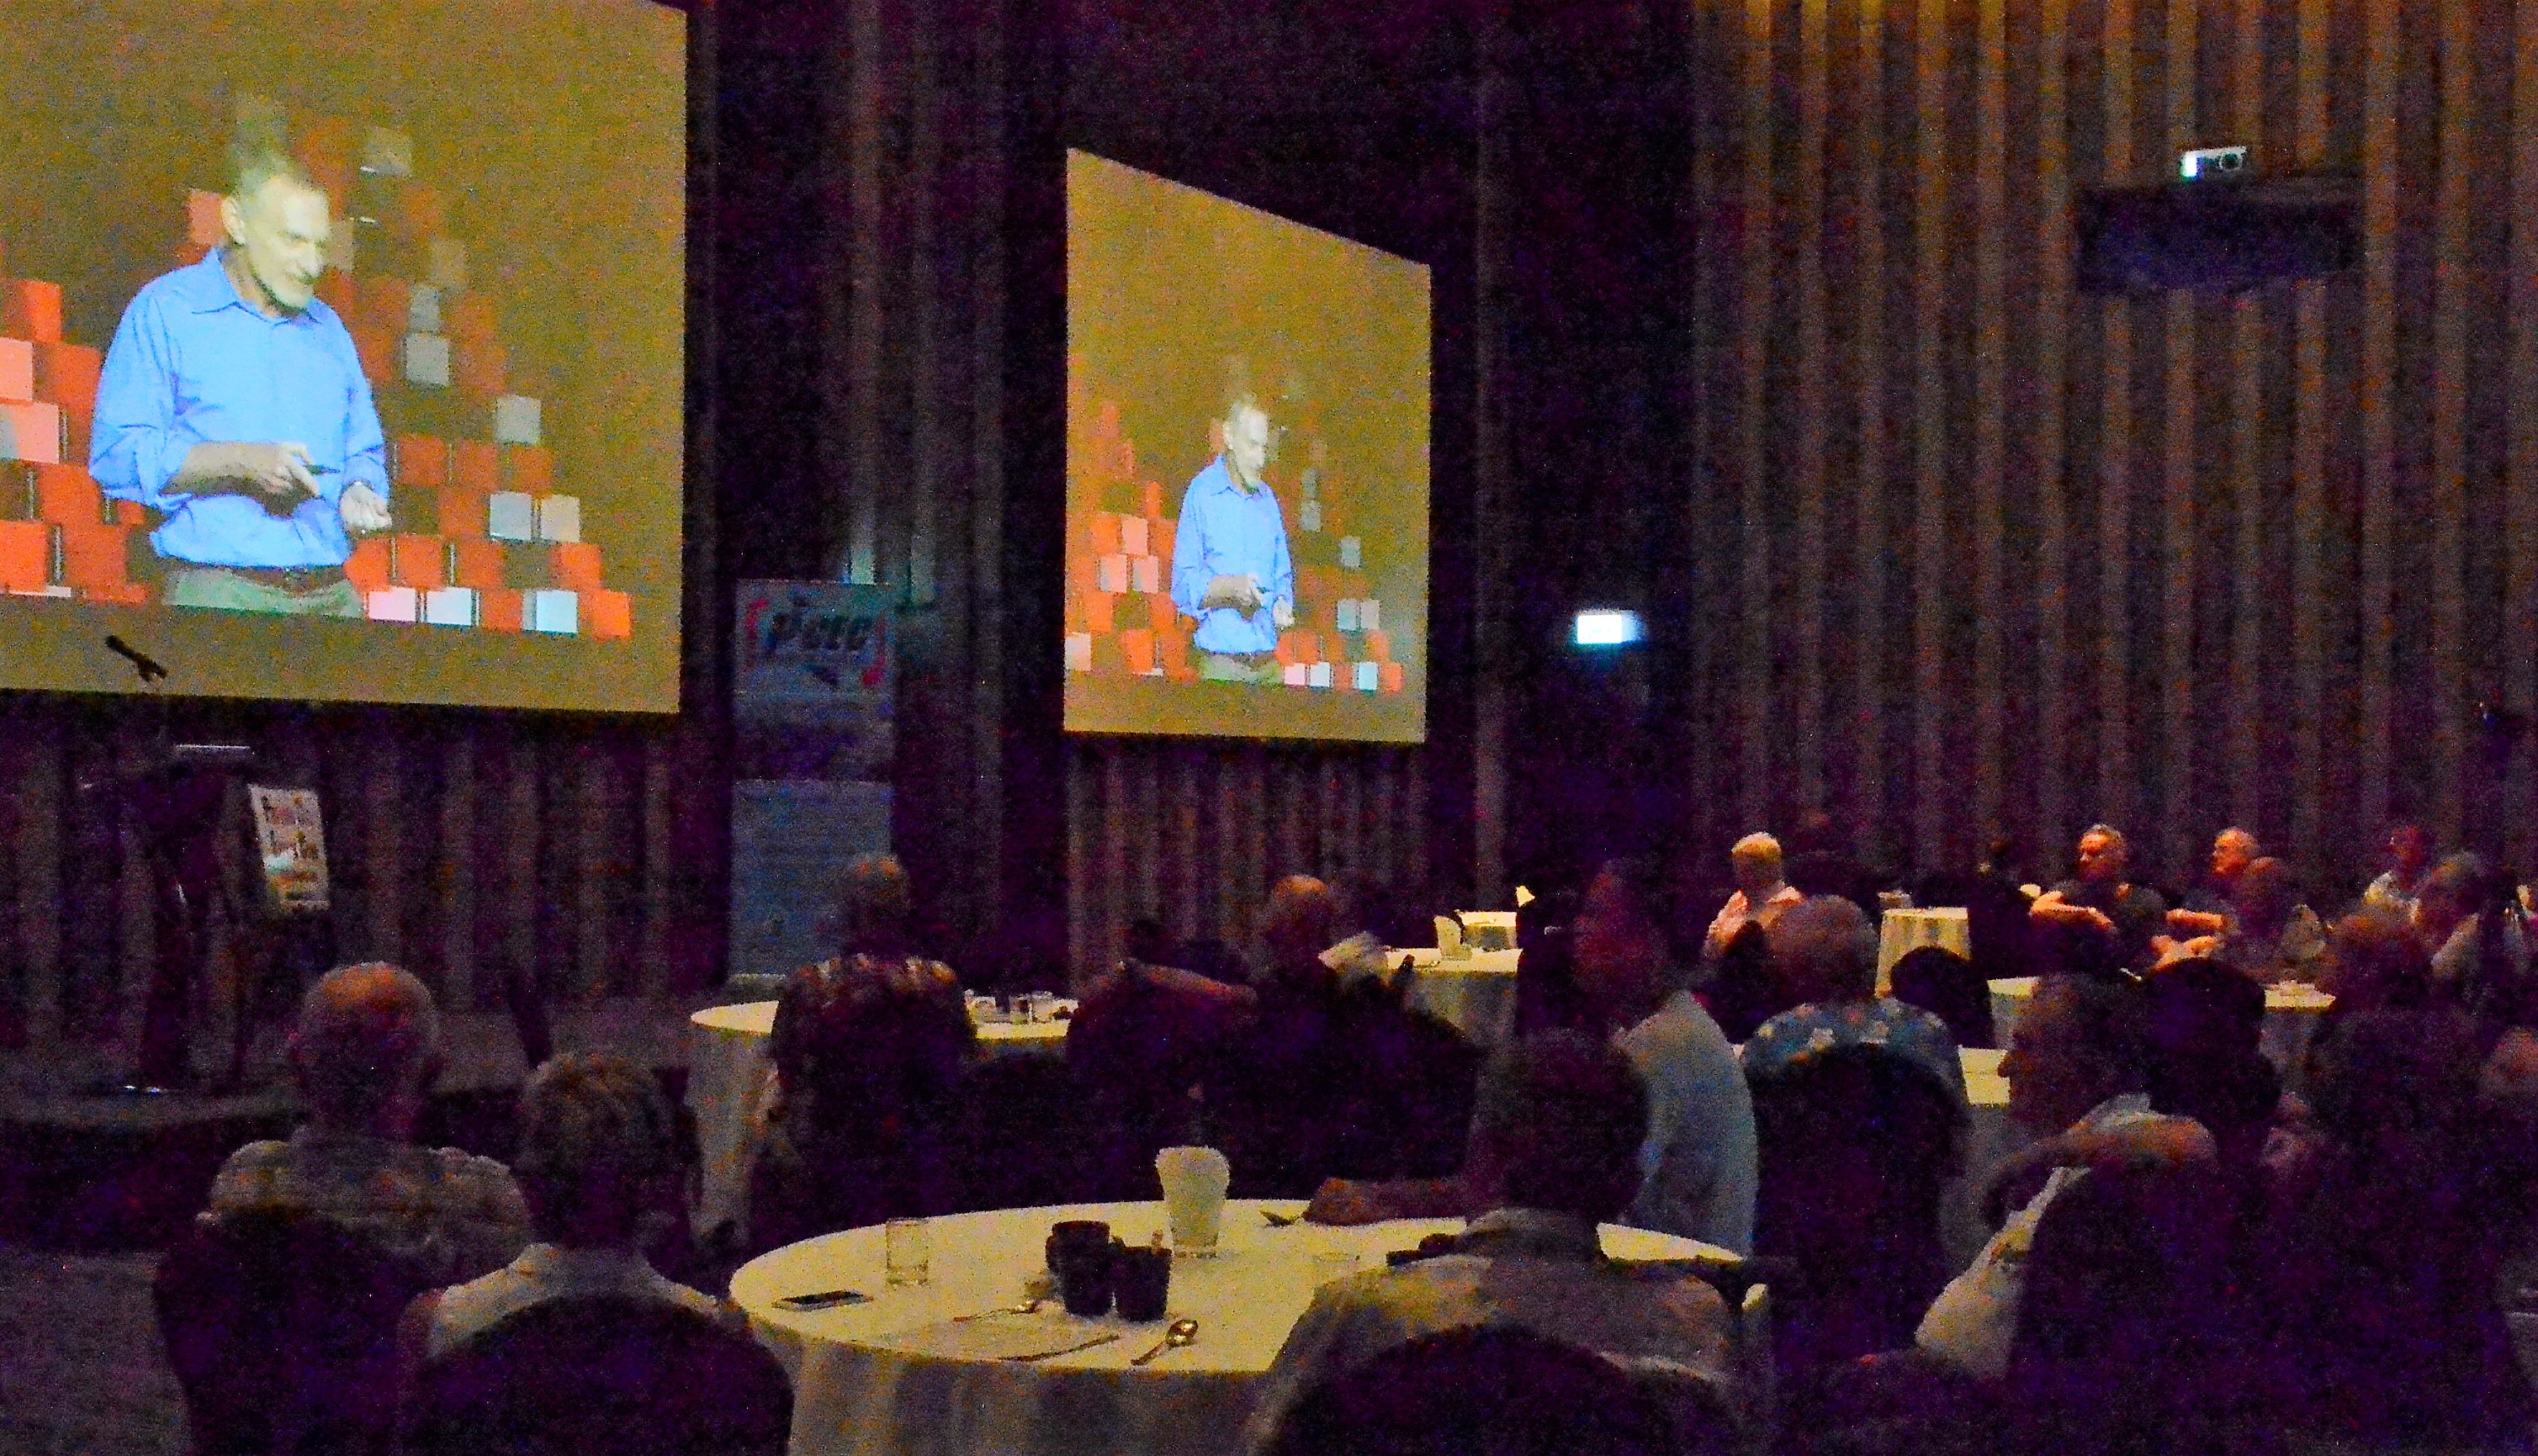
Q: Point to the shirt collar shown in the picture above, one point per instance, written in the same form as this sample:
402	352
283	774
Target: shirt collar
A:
1227	485
2126	1107
1537	1233
208	290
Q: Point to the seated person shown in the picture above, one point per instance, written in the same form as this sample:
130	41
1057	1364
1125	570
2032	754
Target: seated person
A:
599	1164
2212	909
1825	956
2265	932
2102	922
1332	1075
2373	958
868	1050
2409	859
1146	1032
2471	924
2076	1081
1555	1151
2203	1023
1761	894
1697	1168
364	1056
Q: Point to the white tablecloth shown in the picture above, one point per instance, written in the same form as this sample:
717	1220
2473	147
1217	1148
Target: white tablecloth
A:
1901	932
1476	995
1989	1139
2292	1015
851	1393
730	1083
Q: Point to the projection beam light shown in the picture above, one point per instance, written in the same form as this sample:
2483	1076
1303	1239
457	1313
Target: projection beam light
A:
1608	628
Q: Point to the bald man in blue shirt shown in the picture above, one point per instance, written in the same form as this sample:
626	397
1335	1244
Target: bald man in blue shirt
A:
232	403
1230	563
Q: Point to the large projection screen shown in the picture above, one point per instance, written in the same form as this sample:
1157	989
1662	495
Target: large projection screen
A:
188	461
1246	470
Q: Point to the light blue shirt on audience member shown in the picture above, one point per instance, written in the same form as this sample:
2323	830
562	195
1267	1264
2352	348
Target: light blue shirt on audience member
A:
193	362
1225	531
1697	1168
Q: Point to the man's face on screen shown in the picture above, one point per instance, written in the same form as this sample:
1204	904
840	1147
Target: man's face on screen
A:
1246	443
282	231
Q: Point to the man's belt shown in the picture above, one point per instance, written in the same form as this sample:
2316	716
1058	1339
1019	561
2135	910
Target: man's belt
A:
298	580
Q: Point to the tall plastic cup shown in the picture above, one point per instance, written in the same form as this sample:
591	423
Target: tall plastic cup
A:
1193	1181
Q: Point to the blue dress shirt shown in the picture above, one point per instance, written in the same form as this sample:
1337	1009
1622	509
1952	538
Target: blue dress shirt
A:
1225	531
192	363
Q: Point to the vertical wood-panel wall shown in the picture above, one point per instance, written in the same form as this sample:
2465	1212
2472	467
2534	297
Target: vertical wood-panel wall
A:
1991	553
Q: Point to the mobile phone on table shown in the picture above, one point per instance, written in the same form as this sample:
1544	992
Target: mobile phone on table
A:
825	1300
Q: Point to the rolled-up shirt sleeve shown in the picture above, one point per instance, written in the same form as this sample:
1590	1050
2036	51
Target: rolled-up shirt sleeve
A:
138	441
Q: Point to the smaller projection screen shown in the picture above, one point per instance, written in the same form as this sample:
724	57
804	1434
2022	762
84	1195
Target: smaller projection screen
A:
341	348
1246	470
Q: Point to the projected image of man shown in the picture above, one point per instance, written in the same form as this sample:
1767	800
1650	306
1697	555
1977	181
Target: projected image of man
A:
232	403
1229	564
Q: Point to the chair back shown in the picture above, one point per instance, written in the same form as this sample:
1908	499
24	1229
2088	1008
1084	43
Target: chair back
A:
1854	1146
280	1328
1497	1391
1947	986
603	1375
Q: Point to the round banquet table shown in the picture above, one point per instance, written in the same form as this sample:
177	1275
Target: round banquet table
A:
2291	1012
1476	996
730	1083
852	1392
1901	932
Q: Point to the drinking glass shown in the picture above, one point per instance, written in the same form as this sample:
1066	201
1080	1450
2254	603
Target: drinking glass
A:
907	1251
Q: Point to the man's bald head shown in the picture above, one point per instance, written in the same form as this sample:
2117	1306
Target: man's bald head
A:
1301	921
368	1040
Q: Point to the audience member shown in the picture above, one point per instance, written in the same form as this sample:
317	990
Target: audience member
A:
2101	922
2471	925
2373	958
2212	909
1697	1168
1555	1151
364	1056
1997	908
2385	1265
2409	859
1825	956
868	1049
599	1164
1332	1075
2075	1071
1761	894
1142	1039
2203	1024
2274	935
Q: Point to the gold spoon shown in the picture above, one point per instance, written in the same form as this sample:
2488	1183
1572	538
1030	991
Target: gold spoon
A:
1183	1332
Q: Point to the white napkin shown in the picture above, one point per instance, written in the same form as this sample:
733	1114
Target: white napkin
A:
1004	1336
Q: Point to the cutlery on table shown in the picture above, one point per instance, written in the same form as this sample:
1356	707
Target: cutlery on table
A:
1183	1332
1277	1219
1027	1306
1024	1359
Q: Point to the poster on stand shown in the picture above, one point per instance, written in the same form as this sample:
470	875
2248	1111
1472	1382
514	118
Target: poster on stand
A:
291	848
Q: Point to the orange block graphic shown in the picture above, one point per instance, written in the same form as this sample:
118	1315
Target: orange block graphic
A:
68	494
31	309
26	555
1138	648
382	302
467	318
497	609
529	469
66	374
476	465
131	513
127	594
335	286
94	556
478	563
17	371
1106	534
573	566
1379	647
476	368
371	566
462	515
1101	612
607	614
417	562
420	461
1392	677
377	348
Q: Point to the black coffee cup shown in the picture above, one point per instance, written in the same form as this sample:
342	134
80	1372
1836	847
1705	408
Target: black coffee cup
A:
1075	1234
1083	1277
1143	1281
